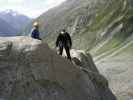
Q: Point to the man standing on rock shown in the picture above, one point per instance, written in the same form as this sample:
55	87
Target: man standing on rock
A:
35	31
64	42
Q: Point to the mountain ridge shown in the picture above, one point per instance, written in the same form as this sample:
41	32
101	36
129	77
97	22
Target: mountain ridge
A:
6	29
16	20
89	22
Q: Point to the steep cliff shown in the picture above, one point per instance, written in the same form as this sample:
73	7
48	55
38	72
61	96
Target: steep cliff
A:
30	70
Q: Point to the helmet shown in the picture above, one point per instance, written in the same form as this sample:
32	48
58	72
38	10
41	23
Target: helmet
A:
35	24
63	31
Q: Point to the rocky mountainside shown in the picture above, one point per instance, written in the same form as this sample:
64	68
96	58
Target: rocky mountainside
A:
16	20
6	29
103	28
30	70
104	24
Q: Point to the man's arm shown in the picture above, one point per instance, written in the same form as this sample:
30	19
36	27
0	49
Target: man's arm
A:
69	39
32	32
57	41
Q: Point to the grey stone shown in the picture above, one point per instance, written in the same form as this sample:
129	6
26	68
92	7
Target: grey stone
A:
30	70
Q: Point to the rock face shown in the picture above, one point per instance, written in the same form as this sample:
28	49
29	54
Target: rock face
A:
30	70
90	23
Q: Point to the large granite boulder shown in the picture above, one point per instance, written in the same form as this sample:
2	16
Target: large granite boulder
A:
30	70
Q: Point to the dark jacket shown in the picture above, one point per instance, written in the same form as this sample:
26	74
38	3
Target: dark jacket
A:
64	40
35	33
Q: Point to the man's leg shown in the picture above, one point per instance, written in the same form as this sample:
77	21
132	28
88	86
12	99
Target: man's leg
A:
68	53
60	50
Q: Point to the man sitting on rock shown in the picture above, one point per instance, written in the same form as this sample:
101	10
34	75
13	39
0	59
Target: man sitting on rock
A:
35	31
64	41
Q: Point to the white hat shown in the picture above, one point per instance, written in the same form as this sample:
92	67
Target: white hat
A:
35	24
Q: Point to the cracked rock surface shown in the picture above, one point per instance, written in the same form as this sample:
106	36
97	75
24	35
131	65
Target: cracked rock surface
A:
30	70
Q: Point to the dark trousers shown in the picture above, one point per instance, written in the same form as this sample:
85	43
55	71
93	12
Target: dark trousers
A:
67	49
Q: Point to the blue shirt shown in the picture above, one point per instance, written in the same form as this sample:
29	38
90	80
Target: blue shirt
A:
35	33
